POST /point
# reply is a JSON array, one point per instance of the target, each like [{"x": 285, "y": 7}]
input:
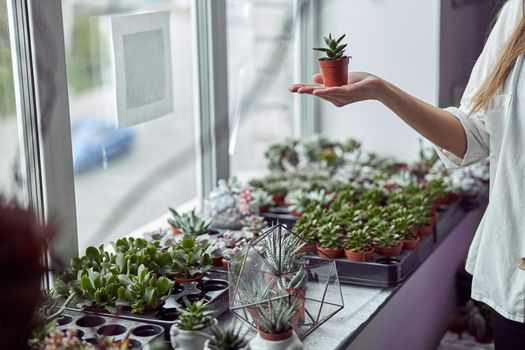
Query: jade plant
[
  {"x": 275, "y": 318},
  {"x": 226, "y": 339},
  {"x": 194, "y": 316},
  {"x": 99, "y": 289},
  {"x": 386, "y": 239},
  {"x": 308, "y": 224},
  {"x": 189, "y": 258},
  {"x": 334, "y": 50},
  {"x": 142, "y": 291},
  {"x": 189, "y": 223}
]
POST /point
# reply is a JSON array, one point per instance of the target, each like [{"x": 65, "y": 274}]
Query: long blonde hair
[{"x": 514, "y": 47}]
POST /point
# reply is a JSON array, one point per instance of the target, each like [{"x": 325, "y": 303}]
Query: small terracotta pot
[
  {"x": 175, "y": 230},
  {"x": 296, "y": 214},
  {"x": 278, "y": 199},
  {"x": 389, "y": 252},
  {"x": 443, "y": 200},
  {"x": 300, "y": 294},
  {"x": 254, "y": 313},
  {"x": 411, "y": 243},
  {"x": 264, "y": 209},
  {"x": 307, "y": 249},
  {"x": 398, "y": 166},
  {"x": 187, "y": 280},
  {"x": 424, "y": 230},
  {"x": 276, "y": 337},
  {"x": 335, "y": 72},
  {"x": 225, "y": 264},
  {"x": 331, "y": 253},
  {"x": 359, "y": 256},
  {"x": 217, "y": 262}
]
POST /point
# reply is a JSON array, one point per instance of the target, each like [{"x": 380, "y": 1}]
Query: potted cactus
[
  {"x": 193, "y": 327},
  {"x": 358, "y": 245},
  {"x": 275, "y": 330},
  {"x": 334, "y": 66},
  {"x": 226, "y": 339},
  {"x": 331, "y": 243}
]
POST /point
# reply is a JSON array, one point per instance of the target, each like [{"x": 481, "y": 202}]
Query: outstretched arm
[{"x": 437, "y": 125}]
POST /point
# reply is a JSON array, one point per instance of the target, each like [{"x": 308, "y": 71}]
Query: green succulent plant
[
  {"x": 331, "y": 236},
  {"x": 194, "y": 316},
  {"x": 226, "y": 339},
  {"x": 386, "y": 239},
  {"x": 307, "y": 226},
  {"x": 99, "y": 289},
  {"x": 262, "y": 198},
  {"x": 334, "y": 50},
  {"x": 275, "y": 317},
  {"x": 358, "y": 240},
  {"x": 189, "y": 258},
  {"x": 298, "y": 280},
  {"x": 190, "y": 223},
  {"x": 142, "y": 291},
  {"x": 280, "y": 252}
]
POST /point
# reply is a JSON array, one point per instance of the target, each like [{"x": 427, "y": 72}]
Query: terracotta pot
[
  {"x": 398, "y": 166},
  {"x": 296, "y": 214},
  {"x": 217, "y": 262},
  {"x": 443, "y": 200},
  {"x": 225, "y": 264},
  {"x": 424, "y": 230},
  {"x": 181, "y": 280},
  {"x": 411, "y": 243},
  {"x": 307, "y": 249},
  {"x": 278, "y": 199},
  {"x": 276, "y": 337},
  {"x": 335, "y": 72},
  {"x": 485, "y": 340},
  {"x": 254, "y": 313},
  {"x": 359, "y": 256},
  {"x": 331, "y": 253},
  {"x": 264, "y": 209},
  {"x": 300, "y": 294},
  {"x": 389, "y": 252},
  {"x": 175, "y": 230}
]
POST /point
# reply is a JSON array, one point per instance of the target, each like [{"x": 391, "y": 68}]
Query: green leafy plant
[
  {"x": 334, "y": 50},
  {"x": 280, "y": 253},
  {"x": 262, "y": 198},
  {"x": 359, "y": 240},
  {"x": 331, "y": 235},
  {"x": 189, "y": 258},
  {"x": 194, "y": 316},
  {"x": 281, "y": 156},
  {"x": 142, "y": 291},
  {"x": 226, "y": 339},
  {"x": 189, "y": 223},
  {"x": 308, "y": 224},
  {"x": 99, "y": 289},
  {"x": 275, "y": 318},
  {"x": 386, "y": 239},
  {"x": 298, "y": 201}
]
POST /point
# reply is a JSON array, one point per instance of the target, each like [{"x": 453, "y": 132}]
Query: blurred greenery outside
[{"x": 84, "y": 64}]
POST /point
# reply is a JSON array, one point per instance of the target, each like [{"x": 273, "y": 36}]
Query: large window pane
[
  {"x": 128, "y": 176},
  {"x": 9, "y": 163},
  {"x": 260, "y": 59}
]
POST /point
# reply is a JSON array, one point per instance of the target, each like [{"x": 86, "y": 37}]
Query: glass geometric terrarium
[{"x": 273, "y": 267}]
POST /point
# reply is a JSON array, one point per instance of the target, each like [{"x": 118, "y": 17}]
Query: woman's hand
[{"x": 361, "y": 86}]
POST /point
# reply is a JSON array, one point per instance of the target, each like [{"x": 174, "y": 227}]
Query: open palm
[{"x": 361, "y": 86}]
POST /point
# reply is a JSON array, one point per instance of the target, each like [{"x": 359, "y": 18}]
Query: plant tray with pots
[
  {"x": 90, "y": 326},
  {"x": 213, "y": 288},
  {"x": 381, "y": 272},
  {"x": 280, "y": 215}
]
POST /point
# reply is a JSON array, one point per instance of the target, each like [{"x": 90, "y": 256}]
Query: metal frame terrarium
[{"x": 271, "y": 268}]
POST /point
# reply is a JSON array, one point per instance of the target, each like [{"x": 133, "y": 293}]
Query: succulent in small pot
[
  {"x": 189, "y": 260},
  {"x": 275, "y": 330},
  {"x": 262, "y": 199},
  {"x": 277, "y": 190},
  {"x": 255, "y": 224},
  {"x": 308, "y": 225},
  {"x": 387, "y": 243},
  {"x": 296, "y": 287},
  {"x": 189, "y": 223},
  {"x": 226, "y": 339},
  {"x": 228, "y": 255},
  {"x": 334, "y": 66},
  {"x": 331, "y": 243},
  {"x": 215, "y": 250},
  {"x": 193, "y": 327},
  {"x": 359, "y": 245}
]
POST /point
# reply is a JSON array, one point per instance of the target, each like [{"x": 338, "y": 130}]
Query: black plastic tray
[
  {"x": 381, "y": 272},
  {"x": 167, "y": 315}
]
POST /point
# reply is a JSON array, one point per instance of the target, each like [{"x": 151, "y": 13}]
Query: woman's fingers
[{"x": 318, "y": 78}]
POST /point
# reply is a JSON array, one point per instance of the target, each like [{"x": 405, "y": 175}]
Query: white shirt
[{"x": 498, "y": 132}]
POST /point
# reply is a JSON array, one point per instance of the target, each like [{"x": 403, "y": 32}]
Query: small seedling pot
[
  {"x": 306, "y": 249},
  {"x": 331, "y": 253},
  {"x": 389, "y": 252},
  {"x": 411, "y": 243},
  {"x": 264, "y": 209},
  {"x": 359, "y": 256},
  {"x": 217, "y": 262},
  {"x": 278, "y": 199},
  {"x": 424, "y": 230},
  {"x": 335, "y": 72}
]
